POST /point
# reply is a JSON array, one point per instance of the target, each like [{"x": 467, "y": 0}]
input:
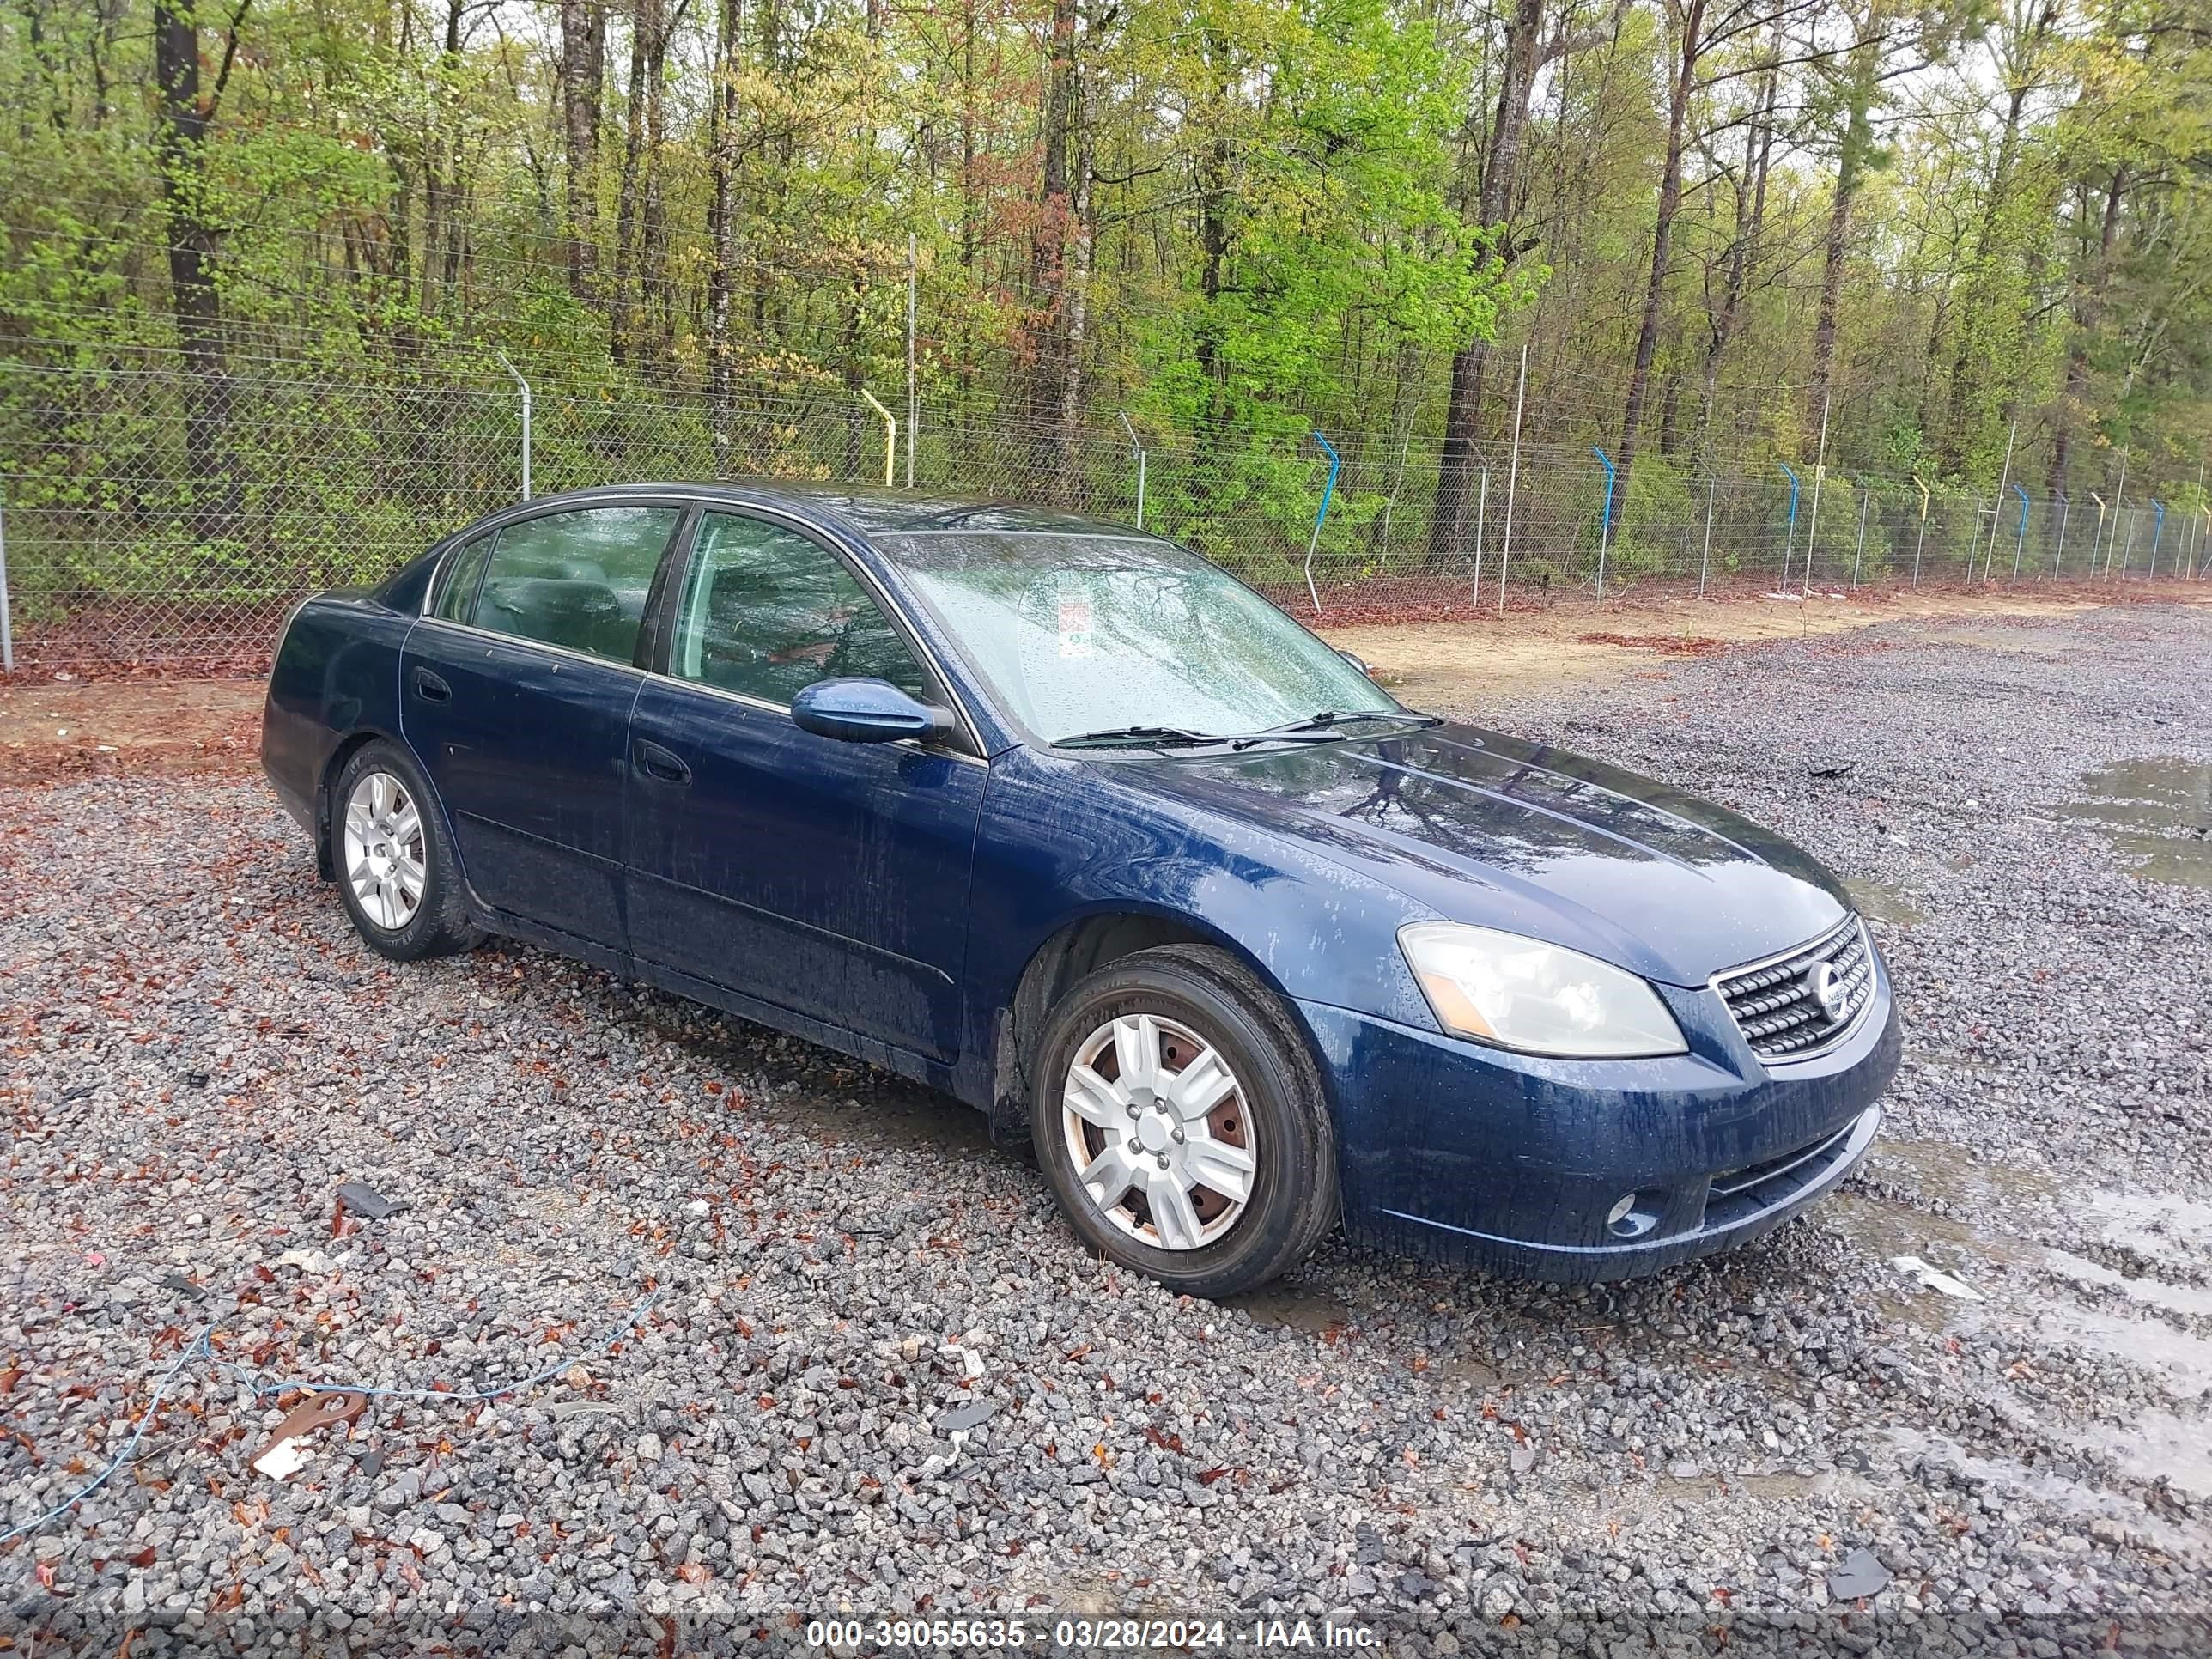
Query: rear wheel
[
  {"x": 1179, "y": 1119},
  {"x": 397, "y": 874}
]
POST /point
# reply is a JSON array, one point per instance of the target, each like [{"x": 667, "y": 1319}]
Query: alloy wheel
[{"x": 385, "y": 858}]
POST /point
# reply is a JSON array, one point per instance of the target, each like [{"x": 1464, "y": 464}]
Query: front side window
[
  {"x": 767, "y": 612},
  {"x": 576, "y": 579},
  {"x": 1083, "y": 633}
]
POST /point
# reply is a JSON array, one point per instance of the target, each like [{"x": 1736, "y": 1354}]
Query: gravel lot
[{"x": 841, "y": 1270}]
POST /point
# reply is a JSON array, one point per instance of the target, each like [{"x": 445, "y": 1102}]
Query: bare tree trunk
[
  {"x": 1692, "y": 21},
  {"x": 1850, "y": 168},
  {"x": 180, "y": 145},
  {"x": 658, "y": 289},
  {"x": 1047, "y": 330},
  {"x": 2089, "y": 307},
  {"x": 1743, "y": 251},
  {"x": 2018, "y": 55},
  {"x": 583, "y": 61},
  {"x": 970, "y": 216},
  {"x": 441, "y": 153},
  {"x": 1076, "y": 309},
  {"x": 627, "y": 204},
  {"x": 1501, "y": 167},
  {"x": 722, "y": 227}
]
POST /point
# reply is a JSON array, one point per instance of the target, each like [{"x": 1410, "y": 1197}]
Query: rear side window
[
  {"x": 577, "y": 579},
  {"x": 463, "y": 571},
  {"x": 767, "y": 613}
]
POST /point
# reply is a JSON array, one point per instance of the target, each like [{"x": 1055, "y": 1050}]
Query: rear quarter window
[{"x": 457, "y": 591}]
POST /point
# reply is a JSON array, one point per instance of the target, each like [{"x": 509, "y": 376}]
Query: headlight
[{"x": 1540, "y": 998}]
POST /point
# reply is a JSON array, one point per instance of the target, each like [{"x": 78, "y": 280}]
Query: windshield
[{"x": 1083, "y": 634}]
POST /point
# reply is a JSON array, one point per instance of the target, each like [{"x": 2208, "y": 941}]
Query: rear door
[
  {"x": 828, "y": 878},
  {"x": 516, "y": 690}
]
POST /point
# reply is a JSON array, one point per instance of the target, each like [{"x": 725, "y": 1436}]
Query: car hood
[{"x": 1488, "y": 829}]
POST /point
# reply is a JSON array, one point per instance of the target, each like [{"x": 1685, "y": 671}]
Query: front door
[
  {"x": 515, "y": 691},
  {"x": 828, "y": 878}
]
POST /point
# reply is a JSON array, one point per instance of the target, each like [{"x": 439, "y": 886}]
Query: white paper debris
[
  {"x": 1936, "y": 1279},
  {"x": 282, "y": 1461}
]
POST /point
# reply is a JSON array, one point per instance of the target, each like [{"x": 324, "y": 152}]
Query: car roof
[{"x": 870, "y": 512}]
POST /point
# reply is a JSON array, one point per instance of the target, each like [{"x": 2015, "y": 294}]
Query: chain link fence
[{"x": 159, "y": 511}]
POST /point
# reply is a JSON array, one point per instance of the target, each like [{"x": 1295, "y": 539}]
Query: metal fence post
[
  {"x": 1997, "y": 501},
  {"x": 1790, "y": 529},
  {"x": 7, "y": 621},
  {"x": 525, "y": 385},
  {"x": 912, "y": 387},
  {"x": 1512, "y": 477},
  {"x": 1812, "y": 524},
  {"x": 1605, "y": 524},
  {"x": 1139, "y": 450},
  {"x": 1858, "y": 553},
  {"x": 2119, "y": 506},
  {"x": 2019, "y": 542},
  {"x": 1329, "y": 489},
  {"x": 1705, "y": 558},
  {"x": 890, "y": 433},
  {"x": 1920, "y": 546},
  {"x": 1481, "y": 508},
  {"x": 2157, "y": 531}
]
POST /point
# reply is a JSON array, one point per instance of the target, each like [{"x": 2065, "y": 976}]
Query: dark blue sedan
[{"x": 1059, "y": 817}]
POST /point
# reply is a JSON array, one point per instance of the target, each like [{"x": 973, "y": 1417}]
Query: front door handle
[
  {"x": 662, "y": 764},
  {"x": 430, "y": 688}
]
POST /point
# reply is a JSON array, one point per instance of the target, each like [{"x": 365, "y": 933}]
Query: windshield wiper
[
  {"x": 1321, "y": 727},
  {"x": 1136, "y": 736}
]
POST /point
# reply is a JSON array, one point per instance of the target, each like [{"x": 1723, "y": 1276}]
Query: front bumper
[{"x": 1453, "y": 1152}]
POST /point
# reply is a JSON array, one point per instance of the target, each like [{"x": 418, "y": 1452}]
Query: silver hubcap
[
  {"x": 1154, "y": 1124},
  {"x": 384, "y": 860}
]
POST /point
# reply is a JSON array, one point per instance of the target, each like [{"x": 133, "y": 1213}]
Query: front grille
[{"x": 1774, "y": 1004}]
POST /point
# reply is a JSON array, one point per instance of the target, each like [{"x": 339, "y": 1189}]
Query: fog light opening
[{"x": 1627, "y": 1220}]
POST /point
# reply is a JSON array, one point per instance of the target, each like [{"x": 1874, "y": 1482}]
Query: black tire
[
  {"x": 440, "y": 924},
  {"x": 1292, "y": 1197}
]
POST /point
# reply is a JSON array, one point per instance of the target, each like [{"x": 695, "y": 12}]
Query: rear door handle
[
  {"x": 430, "y": 688},
  {"x": 662, "y": 764}
]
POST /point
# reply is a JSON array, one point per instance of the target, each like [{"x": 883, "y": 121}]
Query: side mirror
[
  {"x": 865, "y": 711},
  {"x": 1356, "y": 662}
]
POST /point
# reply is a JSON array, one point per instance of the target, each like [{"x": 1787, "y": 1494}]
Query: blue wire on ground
[{"x": 199, "y": 1348}]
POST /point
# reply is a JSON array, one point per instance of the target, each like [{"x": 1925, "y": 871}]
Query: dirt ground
[
  {"x": 1455, "y": 664},
  {"x": 50, "y": 724}
]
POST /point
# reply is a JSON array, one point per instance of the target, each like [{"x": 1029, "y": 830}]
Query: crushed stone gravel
[{"x": 877, "y": 1374}]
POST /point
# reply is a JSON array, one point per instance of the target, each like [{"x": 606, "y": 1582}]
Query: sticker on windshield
[{"x": 1075, "y": 628}]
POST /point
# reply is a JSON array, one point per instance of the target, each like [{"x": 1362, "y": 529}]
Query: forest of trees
[{"x": 1232, "y": 220}]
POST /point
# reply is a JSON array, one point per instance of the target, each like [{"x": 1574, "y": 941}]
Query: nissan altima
[{"x": 1055, "y": 816}]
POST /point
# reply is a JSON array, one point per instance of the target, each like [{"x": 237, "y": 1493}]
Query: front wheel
[
  {"x": 1179, "y": 1118},
  {"x": 396, "y": 872}
]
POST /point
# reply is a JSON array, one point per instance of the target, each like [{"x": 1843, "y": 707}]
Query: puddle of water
[
  {"x": 2184, "y": 1299},
  {"x": 2158, "y": 1226},
  {"x": 2182, "y": 1363},
  {"x": 2158, "y": 809},
  {"x": 1885, "y": 1228},
  {"x": 1305, "y": 1308},
  {"x": 2155, "y": 1443},
  {"x": 1885, "y": 902},
  {"x": 1471, "y": 1372},
  {"x": 1911, "y": 1445},
  {"x": 1954, "y": 1172}
]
